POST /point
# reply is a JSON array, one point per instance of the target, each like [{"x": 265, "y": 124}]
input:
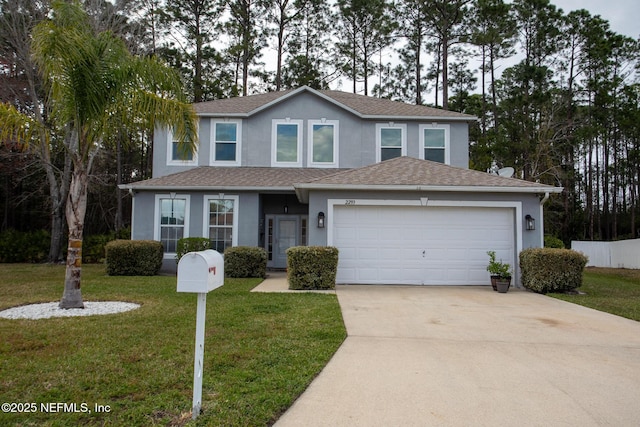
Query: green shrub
[
  {"x": 191, "y": 244},
  {"x": 312, "y": 267},
  {"x": 498, "y": 268},
  {"x": 551, "y": 270},
  {"x": 553, "y": 242},
  {"x": 133, "y": 257},
  {"x": 93, "y": 247},
  {"x": 24, "y": 246},
  {"x": 245, "y": 261}
]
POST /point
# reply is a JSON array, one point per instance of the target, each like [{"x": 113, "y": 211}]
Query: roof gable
[{"x": 359, "y": 105}]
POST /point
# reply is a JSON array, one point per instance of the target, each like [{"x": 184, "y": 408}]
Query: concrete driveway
[{"x": 468, "y": 356}]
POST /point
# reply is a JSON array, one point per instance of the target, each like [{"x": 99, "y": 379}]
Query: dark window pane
[
  {"x": 226, "y": 151},
  {"x": 390, "y": 153},
  {"x": 434, "y": 154}
]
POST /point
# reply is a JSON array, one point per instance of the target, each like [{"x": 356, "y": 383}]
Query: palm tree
[{"x": 95, "y": 89}]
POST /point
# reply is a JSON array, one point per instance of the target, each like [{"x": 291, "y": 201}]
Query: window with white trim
[
  {"x": 172, "y": 220},
  {"x": 286, "y": 143},
  {"x": 177, "y": 154},
  {"x": 434, "y": 143},
  {"x": 226, "y": 142},
  {"x": 391, "y": 141},
  {"x": 221, "y": 221},
  {"x": 323, "y": 143}
]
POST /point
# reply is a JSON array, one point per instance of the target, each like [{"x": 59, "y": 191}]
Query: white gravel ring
[{"x": 50, "y": 309}]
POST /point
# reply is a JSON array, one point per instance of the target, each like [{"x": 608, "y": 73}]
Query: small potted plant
[{"x": 500, "y": 273}]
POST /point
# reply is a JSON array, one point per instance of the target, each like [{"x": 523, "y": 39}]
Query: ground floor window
[
  {"x": 172, "y": 219},
  {"x": 221, "y": 219}
]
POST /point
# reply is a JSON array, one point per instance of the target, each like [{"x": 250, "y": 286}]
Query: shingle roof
[
  {"x": 239, "y": 104},
  {"x": 399, "y": 174},
  {"x": 412, "y": 171},
  {"x": 363, "y": 106},
  {"x": 208, "y": 177}
]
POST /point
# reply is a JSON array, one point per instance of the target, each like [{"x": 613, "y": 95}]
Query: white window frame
[
  {"x": 205, "y": 214},
  {"x": 447, "y": 140},
  {"x": 379, "y": 147},
  {"x": 274, "y": 142},
  {"x": 336, "y": 144},
  {"x": 158, "y": 214},
  {"x": 177, "y": 162},
  {"x": 212, "y": 156}
]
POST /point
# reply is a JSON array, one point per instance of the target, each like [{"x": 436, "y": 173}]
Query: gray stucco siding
[
  {"x": 356, "y": 136},
  {"x": 161, "y": 161},
  {"x": 248, "y": 211},
  {"x": 257, "y": 128}
]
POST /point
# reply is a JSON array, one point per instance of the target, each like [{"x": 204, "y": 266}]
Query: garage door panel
[{"x": 420, "y": 245}]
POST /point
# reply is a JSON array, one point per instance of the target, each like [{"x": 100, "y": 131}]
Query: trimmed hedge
[
  {"x": 312, "y": 267},
  {"x": 245, "y": 261},
  {"x": 551, "y": 270},
  {"x": 133, "y": 257},
  {"x": 191, "y": 244}
]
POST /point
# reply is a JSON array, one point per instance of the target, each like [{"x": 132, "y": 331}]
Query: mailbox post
[{"x": 200, "y": 272}]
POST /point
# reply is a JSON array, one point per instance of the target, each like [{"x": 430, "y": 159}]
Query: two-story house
[{"x": 385, "y": 182}]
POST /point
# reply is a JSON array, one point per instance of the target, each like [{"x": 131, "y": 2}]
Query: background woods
[{"x": 556, "y": 92}]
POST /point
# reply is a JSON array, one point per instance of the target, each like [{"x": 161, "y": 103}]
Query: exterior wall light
[
  {"x": 320, "y": 219},
  {"x": 530, "y": 222}
]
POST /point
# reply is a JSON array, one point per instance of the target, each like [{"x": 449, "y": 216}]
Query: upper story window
[
  {"x": 434, "y": 143},
  {"x": 391, "y": 141},
  {"x": 177, "y": 155},
  {"x": 171, "y": 222},
  {"x": 323, "y": 143},
  {"x": 226, "y": 141},
  {"x": 286, "y": 143}
]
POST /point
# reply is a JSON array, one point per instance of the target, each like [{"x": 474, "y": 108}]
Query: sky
[{"x": 623, "y": 15}]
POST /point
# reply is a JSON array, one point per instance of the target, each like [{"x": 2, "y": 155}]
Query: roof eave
[
  {"x": 429, "y": 118},
  {"x": 183, "y": 188},
  {"x": 362, "y": 116}
]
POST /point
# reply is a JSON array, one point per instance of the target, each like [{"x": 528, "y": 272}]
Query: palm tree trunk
[{"x": 76, "y": 209}]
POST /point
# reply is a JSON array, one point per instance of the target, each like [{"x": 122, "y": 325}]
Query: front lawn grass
[
  {"x": 612, "y": 290},
  {"x": 261, "y": 352}
]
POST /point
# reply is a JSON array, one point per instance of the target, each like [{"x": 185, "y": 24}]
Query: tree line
[{"x": 556, "y": 93}]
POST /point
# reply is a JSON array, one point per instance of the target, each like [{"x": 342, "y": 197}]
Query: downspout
[
  {"x": 542, "y": 202},
  {"x": 545, "y": 198}
]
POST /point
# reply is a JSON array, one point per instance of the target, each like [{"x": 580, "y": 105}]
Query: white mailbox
[{"x": 200, "y": 272}]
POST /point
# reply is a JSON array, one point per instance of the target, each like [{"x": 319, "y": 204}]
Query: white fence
[{"x": 620, "y": 254}]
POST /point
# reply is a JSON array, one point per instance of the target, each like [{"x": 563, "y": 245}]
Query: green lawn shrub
[
  {"x": 553, "y": 242},
  {"x": 312, "y": 267},
  {"x": 245, "y": 261},
  {"x": 191, "y": 244},
  {"x": 24, "y": 246},
  {"x": 133, "y": 257},
  {"x": 93, "y": 247},
  {"x": 551, "y": 270}
]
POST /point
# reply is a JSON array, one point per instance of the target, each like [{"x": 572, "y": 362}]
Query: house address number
[{"x": 349, "y": 202}]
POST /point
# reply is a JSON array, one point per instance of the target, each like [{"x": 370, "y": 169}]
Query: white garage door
[{"x": 420, "y": 245}]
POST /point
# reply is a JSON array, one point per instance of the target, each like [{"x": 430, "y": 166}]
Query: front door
[{"x": 283, "y": 234}]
